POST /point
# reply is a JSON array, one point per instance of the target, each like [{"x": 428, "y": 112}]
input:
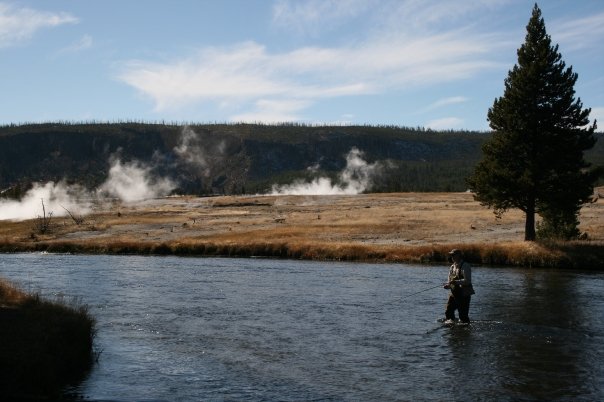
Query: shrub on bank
[{"x": 44, "y": 346}]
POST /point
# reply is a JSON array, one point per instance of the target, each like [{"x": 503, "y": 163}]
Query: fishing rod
[
  {"x": 421, "y": 291},
  {"x": 413, "y": 294}
]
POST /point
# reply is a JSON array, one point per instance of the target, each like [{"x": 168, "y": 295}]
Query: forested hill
[{"x": 242, "y": 158}]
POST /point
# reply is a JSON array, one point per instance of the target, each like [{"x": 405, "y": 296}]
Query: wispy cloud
[
  {"x": 85, "y": 42},
  {"x": 431, "y": 15},
  {"x": 597, "y": 113},
  {"x": 279, "y": 85},
  {"x": 446, "y": 123},
  {"x": 273, "y": 111},
  {"x": 314, "y": 16},
  {"x": 20, "y": 24},
  {"x": 582, "y": 33},
  {"x": 248, "y": 72},
  {"x": 453, "y": 100}
]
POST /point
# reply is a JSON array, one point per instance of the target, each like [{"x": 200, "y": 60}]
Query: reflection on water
[
  {"x": 191, "y": 329},
  {"x": 552, "y": 336}
]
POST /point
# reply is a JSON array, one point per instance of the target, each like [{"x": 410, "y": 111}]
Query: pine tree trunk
[{"x": 529, "y": 226}]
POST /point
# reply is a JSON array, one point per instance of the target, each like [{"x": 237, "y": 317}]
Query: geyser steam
[
  {"x": 57, "y": 197},
  {"x": 129, "y": 182},
  {"x": 354, "y": 179},
  {"x": 198, "y": 150},
  {"x": 134, "y": 182}
]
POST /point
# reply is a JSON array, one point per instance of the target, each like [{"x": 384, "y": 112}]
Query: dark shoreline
[{"x": 45, "y": 346}]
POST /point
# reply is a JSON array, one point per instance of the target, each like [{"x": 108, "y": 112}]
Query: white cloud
[
  {"x": 597, "y": 113},
  {"x": 218, "y": 74},
  {"x": 242, "y": 72},
  {"x": 579, "y": 33},
  {"x": 446, "y": 101},
  {"x": 430, "y": 15},
  {"x": 314, "y": 16},
  {"x": 273, "y": 111},
  {"x": 393, "y": 55},
  {"x": 447, "y": 123},
  {"x": 248, "y": 72},
  {"x": 85, "y": 42},
  {"x": 20, "y": 24}
]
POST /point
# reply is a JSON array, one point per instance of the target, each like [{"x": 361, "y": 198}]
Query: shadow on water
[
  {"x": 548, "y": 355},
  {"x": 538, "y": 346}
]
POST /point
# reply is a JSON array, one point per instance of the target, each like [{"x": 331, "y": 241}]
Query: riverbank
[
  {"x": 44, "y": 346},
  {"x": 400, "y": 227}
]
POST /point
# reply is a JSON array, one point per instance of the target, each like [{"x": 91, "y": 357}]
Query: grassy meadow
[{"x": 390, "y": 227}]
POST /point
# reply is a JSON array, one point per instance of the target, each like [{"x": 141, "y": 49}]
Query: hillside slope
[{"x": 242, "y": 158}]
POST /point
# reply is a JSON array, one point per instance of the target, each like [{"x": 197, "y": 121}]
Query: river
[{"x": 197, "y": 329}]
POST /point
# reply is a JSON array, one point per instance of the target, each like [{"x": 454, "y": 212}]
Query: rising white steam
[
  {"x": 134, "y": 182},
  {"x": 189, "y": 148},
  {"x": 57, "y": 198},
  {"x": 129, "y": 182},
  {"x": 354, "y": 179},
  {"x": 192, "y": 150}
]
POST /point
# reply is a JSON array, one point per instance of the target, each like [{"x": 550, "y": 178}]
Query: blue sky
[{"x": 436, "y": 64}]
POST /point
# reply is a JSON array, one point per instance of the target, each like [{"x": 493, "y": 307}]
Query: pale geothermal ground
[{"x": 369, "y": 219}]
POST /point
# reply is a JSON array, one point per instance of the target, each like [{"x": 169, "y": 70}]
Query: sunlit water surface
[{"x": 192, "y": 329}]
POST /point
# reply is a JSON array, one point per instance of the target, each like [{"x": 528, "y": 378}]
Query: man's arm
[{"x": 466, "y": 270}]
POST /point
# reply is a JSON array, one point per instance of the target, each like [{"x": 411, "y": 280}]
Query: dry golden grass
[
  {"x": 10, "y": 296},
  {"x": 370, "y": 227}
]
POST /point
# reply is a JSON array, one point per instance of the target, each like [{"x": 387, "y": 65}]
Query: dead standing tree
[
  {"x": 42, "y": 224},
  {"x": 77, "y": 219}
]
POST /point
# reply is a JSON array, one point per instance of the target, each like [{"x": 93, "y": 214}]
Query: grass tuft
[{"x": 44, "y": 346}]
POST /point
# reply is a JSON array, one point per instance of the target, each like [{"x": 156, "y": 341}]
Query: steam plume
[
  {"x": 192, "y": 150},
  {"x": 57, "y": 197},
  {"x": 127, "y": 181},
  {"x": 134, "y": 182},
  {"x": 189, "y": 148},
  {"x": 354, "y": 179}
]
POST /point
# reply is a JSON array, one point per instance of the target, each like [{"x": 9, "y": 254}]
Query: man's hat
[{"x": 455, "y": 251}]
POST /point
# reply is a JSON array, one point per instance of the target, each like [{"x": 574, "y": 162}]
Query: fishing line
[
  {"x": 412, "y": 294},
  {"x": 421, "y": 291}
]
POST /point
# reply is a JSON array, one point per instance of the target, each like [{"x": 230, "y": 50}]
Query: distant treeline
[{"x": 242, "y": 158}]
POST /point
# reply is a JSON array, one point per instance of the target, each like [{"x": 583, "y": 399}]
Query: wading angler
[{"x": 460, "y": 284}]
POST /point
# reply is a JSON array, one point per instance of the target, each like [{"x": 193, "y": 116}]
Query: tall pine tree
[{"x": 534, "y": 159}]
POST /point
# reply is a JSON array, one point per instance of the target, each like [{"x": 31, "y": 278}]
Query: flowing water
[{"x": 193, "y": 329}]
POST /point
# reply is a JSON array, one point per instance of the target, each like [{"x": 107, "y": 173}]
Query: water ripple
[{"x": 187, "y": 329}]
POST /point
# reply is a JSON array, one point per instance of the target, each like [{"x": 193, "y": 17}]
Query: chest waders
[{"x": 459, "y": 299}]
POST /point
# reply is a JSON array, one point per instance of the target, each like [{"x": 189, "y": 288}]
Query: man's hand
[{"x": 447, "y": 285}]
